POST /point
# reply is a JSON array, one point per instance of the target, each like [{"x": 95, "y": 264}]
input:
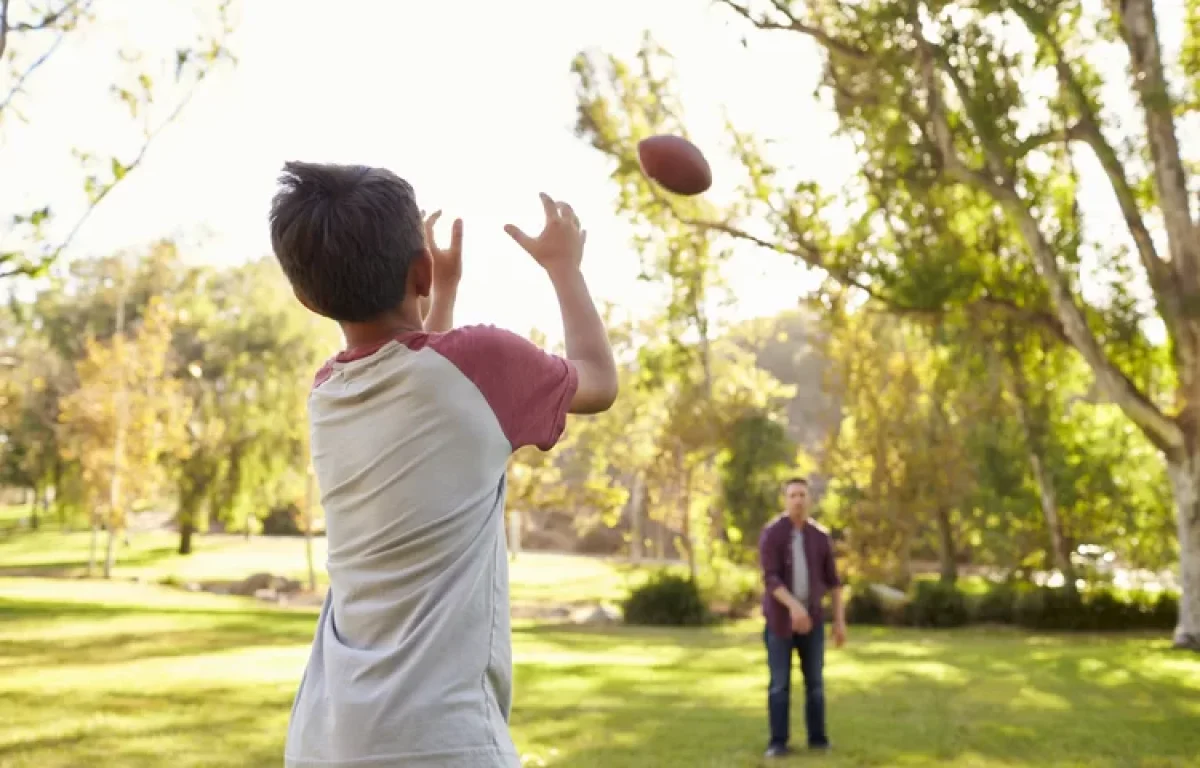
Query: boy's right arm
[
  {"x": 559, "y": 250},
  {"x": 587, "y": 344}
]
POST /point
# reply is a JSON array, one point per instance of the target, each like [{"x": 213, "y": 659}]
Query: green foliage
[
  {"x": 666, "y": 599},
  {"x": 756, "y": 458},
  {"x": 997, "y": 605},
  {"x": 865, "y": 608},
  {"x": 1100, "y": 610},
  {"x": 937, "y": 605}
]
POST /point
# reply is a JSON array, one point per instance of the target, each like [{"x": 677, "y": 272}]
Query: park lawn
[
  {"x": 134, "y": 675},
  {"x": 536, "y": 577}
]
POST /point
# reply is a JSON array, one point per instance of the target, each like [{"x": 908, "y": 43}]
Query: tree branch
[
  {"x": 1072, "y": 133},
  {"x": 50, "y": 19},
  {"x": 49, "y": 258},
  {"x": 1159, "y": 428},
  {"x": 3, "y": 27},
  {"x": 37, "y": 63},
  {"x": 1088, "y": 130},
  {"x": 1140, "y": 30},
  {"x": 831, "y": 44}
]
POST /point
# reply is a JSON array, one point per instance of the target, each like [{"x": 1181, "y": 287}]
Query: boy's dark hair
[
  {"x": 794, "y": 481},
  {"x": 345, "y": 236}
]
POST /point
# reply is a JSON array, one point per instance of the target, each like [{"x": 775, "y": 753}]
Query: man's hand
[
  {"x": 839, "y": 633},
  {"x": 801, "y": 621},
  {"x": 559, "y": 246}
]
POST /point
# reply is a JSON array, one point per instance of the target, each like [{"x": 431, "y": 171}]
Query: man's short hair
[
  {"x": 345, "y": 236},
  {"x": 794, "y": 481}
]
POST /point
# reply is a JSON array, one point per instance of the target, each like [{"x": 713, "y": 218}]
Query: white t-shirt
[{"x": 411, "y": 664}]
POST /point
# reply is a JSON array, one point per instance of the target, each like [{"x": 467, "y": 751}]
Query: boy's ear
[{"x": 420, "y": 274}]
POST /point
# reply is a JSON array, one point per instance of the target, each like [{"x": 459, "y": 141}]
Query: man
[{"x": 799, "y": 569}]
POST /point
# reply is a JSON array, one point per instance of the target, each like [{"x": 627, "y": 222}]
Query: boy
[{"x": 412, "y": 428}]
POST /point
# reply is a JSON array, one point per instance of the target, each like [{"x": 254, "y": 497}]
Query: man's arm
[
  {"x": 835, "y": 586},
  {"x": 586, "y": 341}
]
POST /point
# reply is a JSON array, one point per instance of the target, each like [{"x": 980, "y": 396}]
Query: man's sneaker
[
  {"x": 776, "y": 750},
  {"x": 820, "y": 747}
]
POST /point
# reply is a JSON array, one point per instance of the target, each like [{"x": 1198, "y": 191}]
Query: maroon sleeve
[
  {"x": 528, "y": 389},
  {"x": 769, "y": 558}
]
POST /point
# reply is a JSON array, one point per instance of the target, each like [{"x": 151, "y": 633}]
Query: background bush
[{"x": 666, "y": 600}]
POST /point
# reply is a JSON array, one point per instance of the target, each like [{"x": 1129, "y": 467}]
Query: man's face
[{"x": 796, "y": 495}]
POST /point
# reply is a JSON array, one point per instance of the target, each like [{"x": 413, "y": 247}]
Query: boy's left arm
[
  {"x": 440, "y": 317},
  {"x": 438, "y": 314}
]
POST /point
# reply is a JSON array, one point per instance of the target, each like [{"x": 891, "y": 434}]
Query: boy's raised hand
[
  {"x": 560, "y": 243},
  {"x": 447, "y": 262}
]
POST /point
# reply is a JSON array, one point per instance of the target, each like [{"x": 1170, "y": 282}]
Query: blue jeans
[{"x": 811, "y": 650}]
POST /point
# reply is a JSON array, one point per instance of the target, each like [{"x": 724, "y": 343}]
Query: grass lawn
[
  {"x": 152, "y": 557},
  {"x": 131, "y": 675}
]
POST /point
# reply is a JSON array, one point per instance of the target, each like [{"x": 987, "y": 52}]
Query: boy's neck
[{"x": 389, "y": 325}]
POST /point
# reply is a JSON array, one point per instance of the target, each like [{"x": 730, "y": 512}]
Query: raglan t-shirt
[{"x": 411, "y": 663}]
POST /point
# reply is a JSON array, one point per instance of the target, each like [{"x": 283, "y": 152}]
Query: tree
[
  {"x": 709, "y": 384},
  {"x": 124, "y": 420},
  {"x": 153, "y": 86},
  {"x": 246, "y": 353},
  {"x": 941, "y": 96},
  {"x": 943, "y": 104}
]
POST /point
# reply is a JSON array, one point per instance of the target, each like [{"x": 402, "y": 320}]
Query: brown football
[{"x": 675, "y": 163}]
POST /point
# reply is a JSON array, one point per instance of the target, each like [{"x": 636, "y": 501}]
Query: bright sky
[{"x": 470, "y": 100}]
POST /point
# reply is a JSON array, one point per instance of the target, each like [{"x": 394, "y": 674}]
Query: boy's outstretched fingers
[
  {"x": 550, "y": 205},
  {"x": 523, "y": 240}
]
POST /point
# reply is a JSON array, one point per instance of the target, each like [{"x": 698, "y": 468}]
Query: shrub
[
  {"x": 936, "y": 604},
  {"x": 1050, "y": 608},
  {"x": 1105, "y": 610},
  {"x": 865, "y": 607},
  {"x": 666, "y": 600},
  {"x": 995, "y": 606},
  {"x": 1163, "y": 613}
]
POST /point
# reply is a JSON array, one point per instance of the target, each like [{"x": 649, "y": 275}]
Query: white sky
[{"x": 471, "y": 100}]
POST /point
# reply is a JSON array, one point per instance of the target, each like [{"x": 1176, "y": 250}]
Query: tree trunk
[
  {"x": 1049, "y": 501},
  {"x": 946, "y": 549},
  {"x": 187, "y": 528},
  {"x": 94, "y": 545},
  {"x": 34, "y": 521},
  {"x": 110, "y": 552},
  {"x": 308, "y": 526},
  {"x": 1034, "y": 424},
  {"x": 685, "y": 509},
  {"x": 515, "y": 524},
  {"x": 636, "y": 511},
  {"x": 1185, "y": 483}
]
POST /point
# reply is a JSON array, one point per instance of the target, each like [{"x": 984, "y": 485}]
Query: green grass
[
  {"x": 133, "y": 676},
  {"x": 536, "y": 577}
]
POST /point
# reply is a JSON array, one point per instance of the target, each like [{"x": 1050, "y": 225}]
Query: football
[{"x": 675, "y": 163}]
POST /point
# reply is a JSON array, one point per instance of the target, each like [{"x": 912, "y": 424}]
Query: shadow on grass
[
  {"x": 893, "y": 699},
  {"x": 217, "y": 726},
  {"x": 126, "y": 558},
  {"x": 614, "y": 697}
]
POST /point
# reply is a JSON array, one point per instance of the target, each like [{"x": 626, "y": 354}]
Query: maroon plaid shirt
[{"x": 775, "y": 556}]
